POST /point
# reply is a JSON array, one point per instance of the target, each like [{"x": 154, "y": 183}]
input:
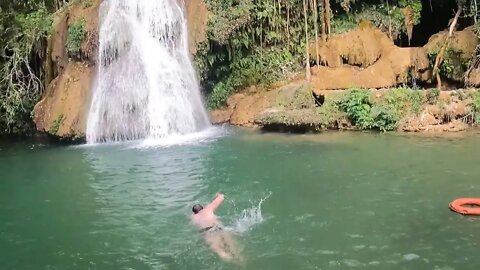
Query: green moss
[
  {"x": 56, "y": 124},
  {"x": 76, "y": 35}
]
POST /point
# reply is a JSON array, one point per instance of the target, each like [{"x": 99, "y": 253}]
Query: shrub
[
  {"x": 357, "y": 105},
  {"x": 76, "y": 34},
  {"x": 432, "y": 96},
  {"x": 329, "y": 113},
  {"x": 260, "y": 69},
  {"x": 417, "y": 98},
  {"x": 475, "y": 105},
  {"x": 23, "y": 34},
  {"x": 219, "y": 95},
  {"x": 405, "y": 100},
  {"x": 385, "y": 117},
  {"x": 364, "y": 114}
]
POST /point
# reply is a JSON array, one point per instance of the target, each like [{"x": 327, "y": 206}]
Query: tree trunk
[
  {"x": 288, "y": 22},
  {"x": 439, "y": 58},
  {"x": 315, "y": 10},
  {"x": 327, "y": 17},
  {"x": 308, "y": 73},
  {"x": 324, "y": 31}
]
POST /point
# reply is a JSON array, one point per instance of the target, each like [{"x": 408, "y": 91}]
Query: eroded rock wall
[
  {"x": 365, "y": 57},
  {"x": 63, "y": 109}
]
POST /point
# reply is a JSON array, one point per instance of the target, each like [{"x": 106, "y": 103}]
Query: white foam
[
  {"x": 411, "y": 257},
  {"x": 249, "y": 217},
  {"x": 205, "y": 136},
  {"x": 209, "y": 134},
  {"x": 146, "y": 86}
]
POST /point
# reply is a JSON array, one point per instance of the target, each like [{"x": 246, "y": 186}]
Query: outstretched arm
[{"x": 216, "y": 203}]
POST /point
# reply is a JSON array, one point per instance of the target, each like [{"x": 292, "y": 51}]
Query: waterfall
[{"x": 146, "y": 85}]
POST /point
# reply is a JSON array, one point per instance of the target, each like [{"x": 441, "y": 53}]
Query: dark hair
[{"x": 197, "y": 208}]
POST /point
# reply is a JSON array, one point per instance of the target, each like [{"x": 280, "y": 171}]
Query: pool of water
[{"x": 330, "y": 201}]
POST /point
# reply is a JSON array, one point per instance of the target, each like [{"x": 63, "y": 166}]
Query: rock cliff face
[
  {"x": 362, "y": 58},
  {"x": 367, "y": 58},
  {"x": 64, "y": 106}
]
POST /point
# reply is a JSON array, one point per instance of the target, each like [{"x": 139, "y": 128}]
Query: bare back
[
  {"x": 206, "y": 217},
  {"x": 219, "y": 240}
]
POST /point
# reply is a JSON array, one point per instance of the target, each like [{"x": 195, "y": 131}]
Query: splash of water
[
  {"x": 249, "y": 217},
  {"x": 146, "y": 85}
]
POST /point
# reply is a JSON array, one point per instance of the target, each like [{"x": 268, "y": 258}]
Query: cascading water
[{"x": 146, "y": 85}]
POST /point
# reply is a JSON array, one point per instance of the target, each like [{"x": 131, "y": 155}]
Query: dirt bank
[
  {"x": 365, "y": 57},
  {"x": 292, "y": 108},
  {"x": 362, "y": 58}
]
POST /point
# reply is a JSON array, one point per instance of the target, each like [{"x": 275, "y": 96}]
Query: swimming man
[{"x": 219, "y": 240}]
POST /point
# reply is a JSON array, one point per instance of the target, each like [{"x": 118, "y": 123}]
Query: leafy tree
[{"x": 24, "y": 27}]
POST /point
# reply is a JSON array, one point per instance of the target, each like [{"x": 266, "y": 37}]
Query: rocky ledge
[{"x": 294, "y": 107}]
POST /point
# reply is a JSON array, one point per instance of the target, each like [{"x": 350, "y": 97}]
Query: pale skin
[{"x": 219, "y": 241}]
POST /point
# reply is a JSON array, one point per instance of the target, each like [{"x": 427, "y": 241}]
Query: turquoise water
[{"x": 331, "y": 201}]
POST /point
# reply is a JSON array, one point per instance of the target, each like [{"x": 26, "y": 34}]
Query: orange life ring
[{"x": 461, "y": 206}]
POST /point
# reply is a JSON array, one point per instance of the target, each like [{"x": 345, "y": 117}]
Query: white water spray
[
  {"x": 146, "y": 84},
  {"x": 249, "y": 217}
]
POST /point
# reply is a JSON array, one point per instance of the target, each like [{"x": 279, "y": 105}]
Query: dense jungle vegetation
[
  {"x": 256, "y": 42},
  {"x": 24, "y": 27},
  {"x": 250, "y": 42}
]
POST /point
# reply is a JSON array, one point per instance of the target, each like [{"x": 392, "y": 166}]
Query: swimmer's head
[{"x": 197, "y": 208}]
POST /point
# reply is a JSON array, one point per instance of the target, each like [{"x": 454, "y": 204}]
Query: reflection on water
[{"x": 332, "y": 201}]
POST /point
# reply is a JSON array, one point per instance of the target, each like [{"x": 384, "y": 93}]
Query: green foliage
[
  {"x": 454, "y": 64},
  {"x": 385, "y": 117},
  {"x": 219, "y": 95},
  {"x": 344, "y": 22},
  {"x": 330, "y": 112},
  {"x": 252, "y": 42},
  {"x": 415, "y": 5},
  {"x": 418, "y": 99},
  {"x": 227, "y": 18},
  {"x": 357, "y": 105},
  {"x": 23, "y": 38},
  {"x": 76, "y": 35},
  {"x": 261, "y": 69},
  {"x": 388, "y": 17},
  {"x": 56, "y": 124},
  {"x": 432, "y": 96},
  {"x": 475, "y": 105},
  {"x": 383, "y": 114},
  {"x": 404, "y": 101}
]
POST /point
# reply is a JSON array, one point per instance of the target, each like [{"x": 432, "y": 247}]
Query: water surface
[{"x": 337, "y": 201}]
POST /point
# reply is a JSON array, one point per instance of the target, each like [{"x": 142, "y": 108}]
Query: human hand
[{"x": 219, "y": 195}]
